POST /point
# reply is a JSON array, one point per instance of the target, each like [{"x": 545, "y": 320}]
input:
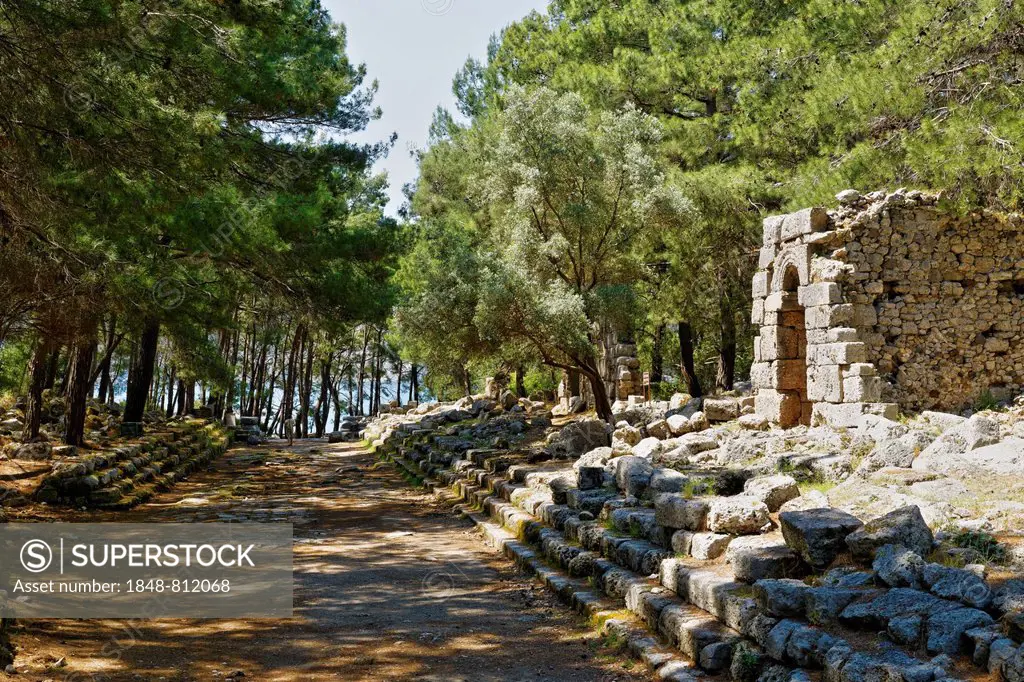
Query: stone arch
[{"x": 795, "y": 258}]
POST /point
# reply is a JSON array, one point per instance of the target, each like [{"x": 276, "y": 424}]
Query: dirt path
[{"x": 387, "y": 587}]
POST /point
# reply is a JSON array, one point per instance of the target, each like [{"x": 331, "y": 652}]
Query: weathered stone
[
  {"x": 659, "y": 429},
  {"x": 812, "y": 499},
  {"x": 679, "y": 424},
  {"x": 716, "y": 656},
  {"x": 774, "y": 491},
  {"x": 708, "y": 546},
  {"x": 951, "y": 451},
  {"x": 824, "y": 604},
  {"x": 737, "y": 515},
  {"x": 633, "y": 474},
  {"x": 899, "y": 601},
  {"x": 818, "y": 535},
  {"x": 959, "y": 584},
  {"x": 897, "y": 566},
  {"x": 721, "y": 409},
  {"x": 677, "y": 511},
  {"x": 946, "y": 631},
  {"x": 626, "y": 436},
  {"x": 1000, "y": 651},
  {"x": 648, "y": 448},
  {"x": 588, "y": 477},
  {"x": 782, "y": 598},
  {"x": 752, "y": 565},
  {"x": 904, "y": 526},
  {"x": 906, "y": 629}
]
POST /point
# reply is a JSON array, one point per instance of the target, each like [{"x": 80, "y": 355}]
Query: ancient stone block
[
  {"x": 778, "y": 407},
  {"x": 822, "y": 293},
  {"x": 862, "y": 389},
  {"x": 825, "y": 383},
  {"x": 803, "y": 222}
]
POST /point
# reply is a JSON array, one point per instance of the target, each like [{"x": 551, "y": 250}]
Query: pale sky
[{"x": 413, "y": 48}]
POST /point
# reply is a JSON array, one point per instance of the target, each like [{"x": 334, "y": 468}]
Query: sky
[{"x": 413, "y": 48}]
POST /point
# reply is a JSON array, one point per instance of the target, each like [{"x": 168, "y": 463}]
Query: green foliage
[{"x": 987, "y": 546}]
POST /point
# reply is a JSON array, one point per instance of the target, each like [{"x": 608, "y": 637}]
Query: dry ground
[{"x": 388, "y": 586}]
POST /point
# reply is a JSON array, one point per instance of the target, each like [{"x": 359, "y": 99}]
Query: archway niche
[{"x": 792, "y": 350}]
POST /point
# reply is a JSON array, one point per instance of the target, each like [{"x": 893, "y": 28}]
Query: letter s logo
[{"x": 36, "y": 556}]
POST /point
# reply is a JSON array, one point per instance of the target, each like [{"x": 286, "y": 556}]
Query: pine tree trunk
[
  {"x": 140, "y": 373},
  {"x": 398, "y": 378},
  {"x": 79, "y": 383},
  {"x": 362, "y": 371},
  {"x": 520, "y": 381},
  {"x": 657, "y": 356},
  {"x": 727, "y": 348},
  {"x": 601, "y": 403},
  {"x": 686, "y": 362},
  {"x": 34, "y": 406},
  {"x": 414, "y": 383}
]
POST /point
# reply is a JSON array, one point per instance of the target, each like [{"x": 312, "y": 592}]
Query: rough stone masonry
[{"x": 888, "y": 301}]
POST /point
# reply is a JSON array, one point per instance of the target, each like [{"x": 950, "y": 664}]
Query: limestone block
[
  {"x": 772, "y": 230},
  {"x": 764, "y": 375},
  {"x": 780, "y": 342},
  {"x": 860, "y": 369},
  {"x": 837, "y": 353},
  {"x": 780, "y": 408},
  {"x": 828, "y": 270},
  {"x": 825, "y": 382},
  {"x": 842, "y": 334},
  {"x": 821, "y": 317},
  {"x": 757, "y": 349},
  {"x": 864, "y": 316},
  {"x": 862, "y": 389},
  {"x": 803, "y": 222},
  {"x": 822, "y": 293},
  {"x": 757, "y": 312},
  {"x": 790, "y": 374},
  {"x": 847, "y": 415},
  {"x": 760, "y": 284},
  {"x": 766, "y": 257}
]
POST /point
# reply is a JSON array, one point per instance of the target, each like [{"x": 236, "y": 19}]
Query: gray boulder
[
  {"x": 880, "y": 429},
  {"x": 950, "y": 451},
  {"x": 659, "y": 429},
  {"x": 648, "y": 448},
  {"x": 782, "y": 598},
  {"x": 957, "y": 583},
  {"x": 667, "y": 481},
  {"x": 594, "y": 458},
  {"x": 812, "y": 499},
  {"x": 762, "y": 563},
  {"x": 897, "y": 566},
  {"x": 774, "y": 491},
  {"x": 946, "y": 630},
  {"x": 737, "y": 515},
  {"x": 708, "y": 546},
  {"x": 904, "y": 526},
  {"x": 721, "y": 409},
  {"x": 633, "y": 475},
  {"x": 824, "y": 604},
  {"x": 582, "y": 436},
  {"x": 673, "y": 510},
  {"x": 818, "y": 535}
]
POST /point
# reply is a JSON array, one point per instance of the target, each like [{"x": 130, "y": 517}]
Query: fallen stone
[
  {"x": 679, "y": 424},
  {"x": 753, "y": 422},
  {"x": 594, "y": 458},
  {"x": 721, "y": 409},
  {"x": 880, "y": 429},
  {"x": 708, "y": 546},
  {"x": 716, "y": 656},
  {"x": 959, "y": 584},
  {"x": 906, "y": 629},
  {"x": 946, "y": 630},
  {"x": 737, "y": 515},
  {"x": 659, "y": 429},
  {"x": 774, "y": 491},
  {"x": 626, "y": 436},
  {"x": 589, "y": 477},
  {"x": 1000, "y": 651},
  {"x": 633, "y": 474},
  {"x": 782, "y": 598},
  {"x": 950, "y": 451},
  {"x": 818, "y": 535},
  {"x": 812, "y": 499},
  {"x": 673, "y": 510},
  {"x": 897, "y": 566},
  {"x": 899, "y": 601},
  {"x": 767, "y": 562},
  {"x": 648, "y": 448},
  {"x": 824, "y": 604},
  {"x": 667, "y": 481},
  {"x": 904, "y": 526}
]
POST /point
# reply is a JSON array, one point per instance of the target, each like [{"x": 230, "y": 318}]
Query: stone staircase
[
  {"x": 729, "y": 604},
  {"x": 130, "y": 474}
]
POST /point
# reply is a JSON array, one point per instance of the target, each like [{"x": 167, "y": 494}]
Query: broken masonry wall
[{"x": 887, "y": 301}]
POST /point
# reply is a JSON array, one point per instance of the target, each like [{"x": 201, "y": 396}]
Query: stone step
[{"x": 719, "y": 598}]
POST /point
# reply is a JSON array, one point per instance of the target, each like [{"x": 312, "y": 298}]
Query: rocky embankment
[{"x": 741, "y": 550}]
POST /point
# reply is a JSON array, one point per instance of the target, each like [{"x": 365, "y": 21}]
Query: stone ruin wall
[{"x": 888, "y": 301}]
